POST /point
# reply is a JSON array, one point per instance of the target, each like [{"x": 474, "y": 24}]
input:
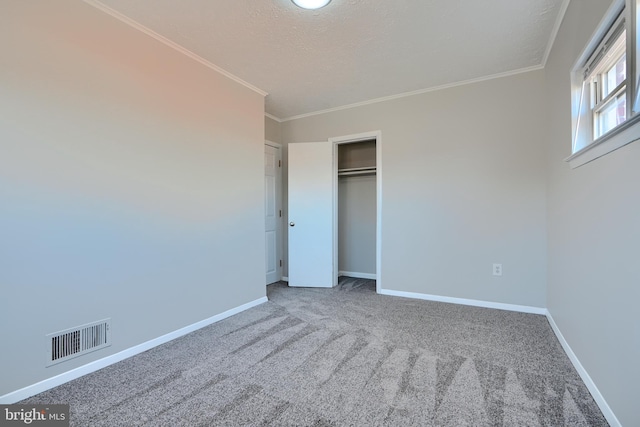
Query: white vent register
[{"x": 70, "y": 343}]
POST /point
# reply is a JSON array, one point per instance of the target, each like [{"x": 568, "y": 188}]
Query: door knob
[{"x": 292, "y": 224}]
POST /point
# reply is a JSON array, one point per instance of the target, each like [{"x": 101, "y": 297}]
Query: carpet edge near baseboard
[
  {"x": 464, "y": 301},
  {"x": 49, "y": 383},
  {"x": 584, "y": 375}
]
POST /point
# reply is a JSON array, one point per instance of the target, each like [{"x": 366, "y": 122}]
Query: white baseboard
[
  {"x": 357, "y": 275},
  {"x": 285, "y": 279},
  {"x": 463, "y": 301},
  {"x": 65, "y": 377},
  {"x": 597, "y": 396}
]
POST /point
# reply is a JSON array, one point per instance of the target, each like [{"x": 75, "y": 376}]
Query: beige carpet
[{"x": 343, "y": 357}]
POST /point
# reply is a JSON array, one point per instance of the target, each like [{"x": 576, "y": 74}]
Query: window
[{"x": 606, "y": 80}]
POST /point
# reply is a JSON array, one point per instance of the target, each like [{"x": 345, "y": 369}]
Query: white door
[
  {"x": 310, "y": 223},
  {"x": 273, "y": 213}
]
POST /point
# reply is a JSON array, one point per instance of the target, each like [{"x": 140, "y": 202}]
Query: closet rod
[{"x": 361, "y": 172}]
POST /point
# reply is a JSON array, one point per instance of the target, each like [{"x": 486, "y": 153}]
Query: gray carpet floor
[{"x": 343, "y": 357}]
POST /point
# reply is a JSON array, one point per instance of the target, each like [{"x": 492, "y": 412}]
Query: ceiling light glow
[{"x": 311, "y": 4}]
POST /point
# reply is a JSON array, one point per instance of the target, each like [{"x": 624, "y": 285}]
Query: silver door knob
[{"x": 292, "y": 224}]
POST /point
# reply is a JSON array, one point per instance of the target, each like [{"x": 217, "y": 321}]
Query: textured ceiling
[{"x": 353, "y": 50}]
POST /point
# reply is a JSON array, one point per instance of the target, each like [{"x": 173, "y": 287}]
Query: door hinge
[
  {"x": 279, "y": 163},
  {"x": 280, "y": 213},
  {"x": 280, "y": 263}
]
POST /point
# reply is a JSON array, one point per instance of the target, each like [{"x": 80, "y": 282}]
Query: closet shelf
[{"x": 357, "y": 171}]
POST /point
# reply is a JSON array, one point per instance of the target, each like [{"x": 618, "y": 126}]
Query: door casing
[
  {"x": 347, "y": 139},
  {"x": 335, "y": 141},
  {"x": 277, "y": 219}
]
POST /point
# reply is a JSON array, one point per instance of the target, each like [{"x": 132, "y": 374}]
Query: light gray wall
[
  {"x": 131, "y": 185},
  {"x": 593, "y": 235},
  {"x": 357, "y": 224},
  {"x": 357, "y": 209},
  {"x": 463, "y": 187},
  {"x": 272, "y": 130}
]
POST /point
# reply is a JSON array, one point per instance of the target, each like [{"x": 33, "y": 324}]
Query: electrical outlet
[{"x": 497, "y": 269}]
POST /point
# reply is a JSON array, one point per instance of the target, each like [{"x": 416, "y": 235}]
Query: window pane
[
  {"x": 612, "y": 114},
  {"x": 584, "y": 126},
  {"x": 615, "y": 75}
]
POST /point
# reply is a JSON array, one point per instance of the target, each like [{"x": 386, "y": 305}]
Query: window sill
[{"x": 626, "y": 133}]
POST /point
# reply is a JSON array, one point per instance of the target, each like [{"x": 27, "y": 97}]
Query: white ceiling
[{"x": 353, "y": 51}]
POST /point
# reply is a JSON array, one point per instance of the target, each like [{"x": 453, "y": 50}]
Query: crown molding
[
  {"x": 132, "y": 23},
  {"x": 125, "y": 19},
  {"x": 272, "y": 117},
  {"x": 554, "y": 32},
  {"x": 417, "y": 92}
]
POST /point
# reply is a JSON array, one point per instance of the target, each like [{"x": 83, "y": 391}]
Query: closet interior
[{"x": 357, "y": 209}]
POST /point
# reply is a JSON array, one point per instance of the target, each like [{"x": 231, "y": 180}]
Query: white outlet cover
[{"x": 497, "y": 269}]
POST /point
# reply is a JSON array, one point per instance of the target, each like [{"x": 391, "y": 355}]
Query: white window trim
[
  {"x": 624, "y": 134},
  {"x": 627, "y": 132}
]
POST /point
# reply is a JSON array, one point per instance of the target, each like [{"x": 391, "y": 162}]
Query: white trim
[
  {"x": 65, "y": 377},
  {"x": 593, "y": 389},
  {"x": 463, "y": 301},
  {"x": 626, "y": 133},
  {"x": 554, "y": 32},
  {"x": 272, "y": 117},
  {"x": 272, "y": 144},
  {"x": 377, "y": 135},
  {"x": 601, "y": 29},
  {"x": 379, "y": 211},
  {"x": 364, "y": 136},
  {"x": 597, "y": 396},
  {"x": 280, "y": 222},
  {"x": 618, "y": 137},
  {"x": 119, "y": 16},
  {"x": 417, "y": 92},
  {"x": 357, "y": 275},
  {"x": 285, "y": 279}
]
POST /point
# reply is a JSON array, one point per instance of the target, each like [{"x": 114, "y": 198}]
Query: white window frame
[
  {"x": 607, "y": 55},
  {"x": 584, "y": 147}
]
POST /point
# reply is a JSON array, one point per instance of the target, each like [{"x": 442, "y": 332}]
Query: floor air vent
[{"x": 74, "y": 342}]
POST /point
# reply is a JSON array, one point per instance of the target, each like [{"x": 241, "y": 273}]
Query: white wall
[
  {"x": 463, "y": 187},
  {"x": 131, "y": 185},
  {"x": 593, "y": 235}
]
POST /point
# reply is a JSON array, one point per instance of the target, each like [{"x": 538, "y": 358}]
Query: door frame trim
[
  {"x": 279, "y": 199},
  {"x": 272, "y": 144},
  {"x": 346, "y": 139}
]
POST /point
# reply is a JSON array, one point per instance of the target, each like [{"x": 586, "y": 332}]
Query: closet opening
[{"x": 356, "y": 208}]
